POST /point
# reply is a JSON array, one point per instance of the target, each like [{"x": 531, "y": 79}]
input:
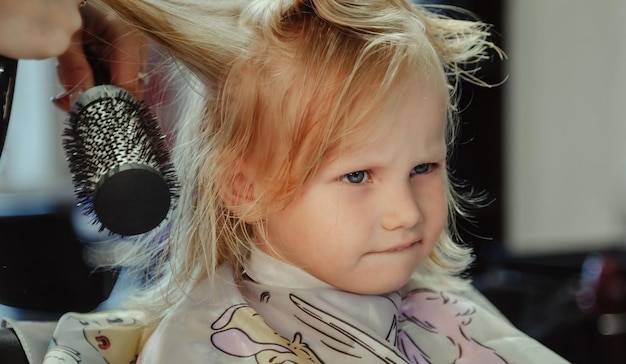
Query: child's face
[{"x": 369, "y": 217}]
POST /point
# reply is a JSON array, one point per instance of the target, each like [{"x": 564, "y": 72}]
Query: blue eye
[
  {"x": 422, "y": 168},
  {"x": 356, "y": 177}
]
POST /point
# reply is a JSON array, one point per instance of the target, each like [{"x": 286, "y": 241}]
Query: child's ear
[{"x": 241, "y": 197}]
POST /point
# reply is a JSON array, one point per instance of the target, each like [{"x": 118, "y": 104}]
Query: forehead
[
  {"x": 416, "y": 100},
  {"x": 410, "y": 97}
]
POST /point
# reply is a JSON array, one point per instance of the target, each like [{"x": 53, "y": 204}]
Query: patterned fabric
[
  {"x": 94, "y": 338},
  {"x": 283, "y": 315},
  {"x": 280, "y": 314}
]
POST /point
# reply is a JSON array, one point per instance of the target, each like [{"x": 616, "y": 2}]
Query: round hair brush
[{"x": 122, "y": 173}]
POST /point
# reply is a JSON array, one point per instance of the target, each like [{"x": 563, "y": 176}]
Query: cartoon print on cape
[
  {"x": 89, "y": 339},
  {"x": 353, "y": 341},
  {"x": 432, "y": 311},
  {"x": 242, "y": 332}
]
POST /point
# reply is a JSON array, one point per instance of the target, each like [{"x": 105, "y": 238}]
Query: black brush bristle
[{"x": 121, "y": 167}]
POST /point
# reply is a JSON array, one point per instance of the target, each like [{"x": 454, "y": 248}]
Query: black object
[
  {"x": 539, "y": 295},
  {"x": 11, "y": 350},
  {"x": 41, "y": 261},
  {"x": 120, "y": 163},
  {"x": 8, "y": 70}
]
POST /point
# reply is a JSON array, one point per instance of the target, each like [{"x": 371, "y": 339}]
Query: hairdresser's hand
[
  {"x": 119, "y": 55},
  {"x": 37, "y": 28}
]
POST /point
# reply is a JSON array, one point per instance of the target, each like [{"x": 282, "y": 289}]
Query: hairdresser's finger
[
  {"x": 74, "y": 72},
  {"x": 127, "y": 63},
  {"x": 118, "y": 50}
]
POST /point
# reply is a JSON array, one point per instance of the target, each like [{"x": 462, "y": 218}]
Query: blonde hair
[{"x": 298, "y": 74}]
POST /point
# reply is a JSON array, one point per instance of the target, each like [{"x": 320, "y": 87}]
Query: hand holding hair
[{"x": 106, "y": 51}]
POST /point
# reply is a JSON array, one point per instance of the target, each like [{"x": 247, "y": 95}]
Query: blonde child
[{"x": 316, "y": 216}]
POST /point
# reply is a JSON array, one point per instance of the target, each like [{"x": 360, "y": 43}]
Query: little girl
[{"x": 316, "y": 213}]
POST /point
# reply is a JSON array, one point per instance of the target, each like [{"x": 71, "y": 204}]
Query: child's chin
[{"x": 379, "y": 288}]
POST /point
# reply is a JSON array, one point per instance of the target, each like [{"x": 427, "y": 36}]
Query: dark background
[{"x": 541, "y": 295}]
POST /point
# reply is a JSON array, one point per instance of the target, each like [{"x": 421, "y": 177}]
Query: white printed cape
[
  {"x": 283, "y": 315},
  {"x": 280, "y": 314}
]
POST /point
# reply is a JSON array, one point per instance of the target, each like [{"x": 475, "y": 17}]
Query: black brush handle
[{"x": 8, "y": 71}]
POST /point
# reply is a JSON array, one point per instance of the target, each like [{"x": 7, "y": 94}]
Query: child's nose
[{"x": 401, "y": 209}]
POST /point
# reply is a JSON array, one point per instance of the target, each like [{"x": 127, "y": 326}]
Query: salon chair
[{"x": 42, "y": 271}]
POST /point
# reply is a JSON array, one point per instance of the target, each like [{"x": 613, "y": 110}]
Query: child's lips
[{"x": 400, "y": 247}]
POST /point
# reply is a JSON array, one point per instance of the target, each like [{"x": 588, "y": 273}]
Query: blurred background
[{"x": 545, "y": 147}]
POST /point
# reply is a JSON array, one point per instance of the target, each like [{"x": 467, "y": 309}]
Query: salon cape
[{"x": 281, "y": 314}]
